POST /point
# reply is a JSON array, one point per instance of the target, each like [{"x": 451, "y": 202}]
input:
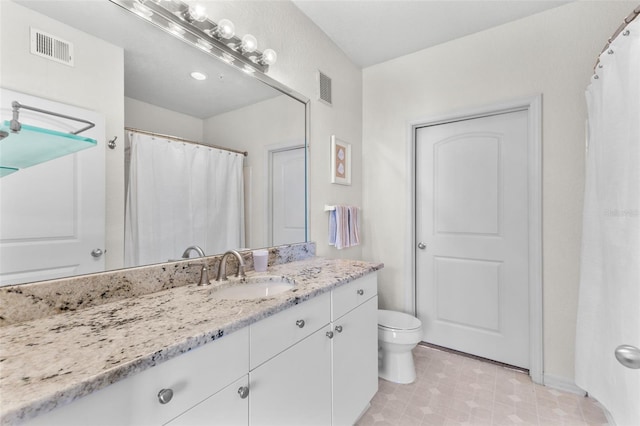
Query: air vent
[
  {"x": 51, "y": 47},
  {"x": 325, "y": 87}
]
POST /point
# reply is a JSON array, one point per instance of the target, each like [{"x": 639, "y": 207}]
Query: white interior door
[
  {"x": 52, "y": 214},
  {"x": 288, "y": 183},
  {"x": 472, "y": 235}
]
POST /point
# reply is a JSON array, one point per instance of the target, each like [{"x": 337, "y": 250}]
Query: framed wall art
[{"x": 340, "y": 161}]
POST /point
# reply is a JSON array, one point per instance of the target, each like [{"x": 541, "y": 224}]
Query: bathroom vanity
[{"x": 184, "y": 356}]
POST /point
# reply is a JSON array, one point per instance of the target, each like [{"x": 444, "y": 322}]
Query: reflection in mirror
[{"x": 128, "y": 73}]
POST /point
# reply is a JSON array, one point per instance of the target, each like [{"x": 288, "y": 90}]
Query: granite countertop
[{"x": 52, "y": 361}]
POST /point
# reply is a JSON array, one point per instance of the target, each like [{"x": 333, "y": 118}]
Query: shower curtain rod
[
  {"x": 633, "y": 15},
  {"x": 176, "y": 138}
]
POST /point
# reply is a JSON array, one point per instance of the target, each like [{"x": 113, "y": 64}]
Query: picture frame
[{"x": 340, "y": 161}]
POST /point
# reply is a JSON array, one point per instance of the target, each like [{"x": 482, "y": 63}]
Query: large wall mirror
[{"x": 137, "y": 77}]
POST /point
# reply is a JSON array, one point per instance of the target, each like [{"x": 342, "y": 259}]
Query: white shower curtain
[
  {"x": 609, "y": 301},
  {"x": 179, "y": 195}
]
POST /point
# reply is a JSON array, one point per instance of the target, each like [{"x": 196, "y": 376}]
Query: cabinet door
[
  {"x": 192, "y": 377},
  {"x": 294, "y": 388},
  {"x": 355, "y": 362},
  {"x": 226, "y": 407}
]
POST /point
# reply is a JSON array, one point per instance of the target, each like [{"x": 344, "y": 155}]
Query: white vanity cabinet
[
  {"x": 324, "y": 375},
  {"x": 354, "y": 349},
  {"x": 189, "y": 379},
  {"x": 311, "y": 364},
  {"x": 294, "y": 388},
  {"x": 290, "y": 377}
]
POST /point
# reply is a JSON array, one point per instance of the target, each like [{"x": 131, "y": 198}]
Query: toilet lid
[{"x": 397, "y": 320}]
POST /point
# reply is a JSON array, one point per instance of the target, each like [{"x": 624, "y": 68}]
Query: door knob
[
  {"x": 629, "y": 356},
  {"x": 300, "y": 323},
  {"x": 339, "y": 328},
  {"x": 422, "y": 245},
  {"x": 330, "y": 334},
  {"x": 97, "y": 252}
]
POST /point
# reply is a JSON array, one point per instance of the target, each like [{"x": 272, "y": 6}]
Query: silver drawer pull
[
  {"x": 330, "y": 334},
  {"x": 165, "y": 395},
  {"x": 628, "y": 355},
  {"x": 300, "y": 323},
  {"x": 243, "y": 392},
  {"x": 339, "y": 328},
  {"x": 360, "y": 292}
]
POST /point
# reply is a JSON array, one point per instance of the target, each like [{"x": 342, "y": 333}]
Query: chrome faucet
[
  {"x": 197, "y": 249},
  {"x": 222, "y": 270}
]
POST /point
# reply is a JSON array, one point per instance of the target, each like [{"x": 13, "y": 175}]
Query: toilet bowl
[{"x": 398, "y": 334}]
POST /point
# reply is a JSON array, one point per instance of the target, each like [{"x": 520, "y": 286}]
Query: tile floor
[{"x": 456, "y": 390}]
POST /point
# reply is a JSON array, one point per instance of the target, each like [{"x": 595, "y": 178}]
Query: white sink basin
[{"x": 254, "y": 288}]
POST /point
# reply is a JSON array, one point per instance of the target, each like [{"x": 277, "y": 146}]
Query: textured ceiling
[
  {"x": 370, "y": 32},
  {"x": 157, "y": 66}
]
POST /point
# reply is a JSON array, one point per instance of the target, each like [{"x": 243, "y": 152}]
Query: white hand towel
[{"x": 354, "y": 226}]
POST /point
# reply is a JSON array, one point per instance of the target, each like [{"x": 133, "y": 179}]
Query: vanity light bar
[{"x": 201, "y": 33}]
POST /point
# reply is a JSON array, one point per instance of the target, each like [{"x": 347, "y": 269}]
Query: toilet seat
[{"x": 397, "y": 321}]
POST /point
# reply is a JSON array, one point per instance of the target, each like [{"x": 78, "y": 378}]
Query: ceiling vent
[
  {"x": 51, "y": 47},
  {"x": 324, "y": 82}
]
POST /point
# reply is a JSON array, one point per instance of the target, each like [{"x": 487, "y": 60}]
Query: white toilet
[{"x": 398, "y": 334}]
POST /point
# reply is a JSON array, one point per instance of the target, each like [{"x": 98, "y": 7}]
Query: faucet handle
[{"x": 204, "y": 273}]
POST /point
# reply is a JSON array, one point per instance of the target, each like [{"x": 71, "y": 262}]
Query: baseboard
[{"x": 563, "y": 384}]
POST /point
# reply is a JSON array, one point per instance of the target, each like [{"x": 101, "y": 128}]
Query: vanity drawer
[
  {"x": 273, "y": 335},
  {"x": 350, "y": 296},
  {"x": 192, "y": 377}
]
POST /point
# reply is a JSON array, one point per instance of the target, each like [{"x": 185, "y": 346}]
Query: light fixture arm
[{"x": 194, "y": 30}]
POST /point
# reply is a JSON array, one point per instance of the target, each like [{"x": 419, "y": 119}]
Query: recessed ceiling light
[{"x": 198, "y": 75}]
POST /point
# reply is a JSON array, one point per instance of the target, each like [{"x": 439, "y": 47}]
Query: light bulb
[
  {"x": 249, "y": 43},
  {"x": 142, "y": 10},
  {"x": 225, "y": 29},
  {"x": 227, "y": 58},
  {"x": 176, "y": 29},
  {"x": 198, "y": 13},
  {"x": 269, "y": 57},
  {"x": 204, "y": 45}
]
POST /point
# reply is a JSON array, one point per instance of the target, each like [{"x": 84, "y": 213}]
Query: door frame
[
  {"x": 533, "y": 106},
  {"x": 267, "y": 186}
]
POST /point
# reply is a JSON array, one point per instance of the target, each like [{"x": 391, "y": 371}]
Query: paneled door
[
  {"x": 52, "y": 215},
  {"x": 472, "y": 236},
  {"x": 288, "y": 217}
]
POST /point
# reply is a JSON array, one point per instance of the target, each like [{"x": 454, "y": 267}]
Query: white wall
[
  {"x": 303, "y": 49},
  {"x": 96, "y": 83},
  {"x": 144, "y": 116},
  {"x": 269, "y": 124},
  {"x": 550, "y": 53}
]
